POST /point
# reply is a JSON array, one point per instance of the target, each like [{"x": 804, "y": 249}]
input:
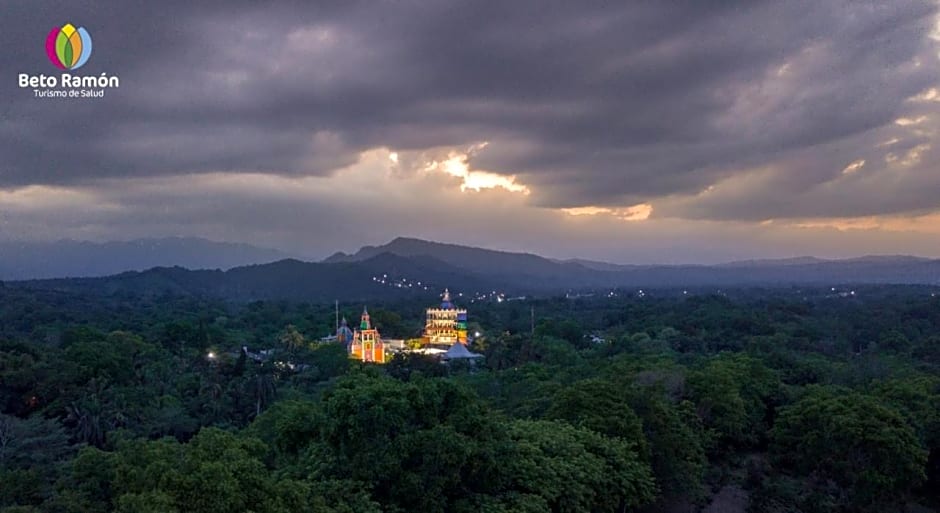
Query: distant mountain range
[
  {"x": 499, "y": 266},
  {"x": 412, "y": 267},
  {"x": 30, "y": 260}
]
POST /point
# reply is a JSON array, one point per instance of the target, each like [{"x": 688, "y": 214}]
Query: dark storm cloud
[{"x": 587, "y": 103}]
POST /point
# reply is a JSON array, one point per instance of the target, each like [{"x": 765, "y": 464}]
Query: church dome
[{"x": 344, "y": 335}]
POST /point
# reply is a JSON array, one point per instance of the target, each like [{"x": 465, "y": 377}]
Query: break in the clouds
[{"x": 633, "y": 130}]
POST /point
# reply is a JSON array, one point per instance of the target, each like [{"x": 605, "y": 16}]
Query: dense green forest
[{"x": 772, "y": 400}]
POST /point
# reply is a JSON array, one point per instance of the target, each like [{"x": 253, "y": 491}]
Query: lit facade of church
[
  {"x": 366, "y": 344},
  {"x": 446, "y": 325}
]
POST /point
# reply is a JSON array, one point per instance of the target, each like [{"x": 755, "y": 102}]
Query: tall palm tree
[
  {"x": 87, "y": 423},
  {"x": 265, "y": 389},
  {"x": 291, "y": 339},
  {"x": 211, "y": 397}
]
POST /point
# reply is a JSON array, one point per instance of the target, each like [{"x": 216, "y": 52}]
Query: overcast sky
[{"x": 630, "y": 132}]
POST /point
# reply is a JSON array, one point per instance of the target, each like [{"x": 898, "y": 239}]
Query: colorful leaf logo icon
[{"x": 68, "y": 47}]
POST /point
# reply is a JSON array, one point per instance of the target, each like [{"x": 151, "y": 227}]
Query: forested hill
[
  {"x": 286, "y": 279},
  {"x": 414, "y": 268}
]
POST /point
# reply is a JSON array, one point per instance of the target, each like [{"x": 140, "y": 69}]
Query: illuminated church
[
  {"x": 365, "y": 343},
  {"x": 446, "y": 325}
]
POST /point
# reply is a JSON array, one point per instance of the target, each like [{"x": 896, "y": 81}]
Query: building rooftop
[{"x": 459, "y": 351}]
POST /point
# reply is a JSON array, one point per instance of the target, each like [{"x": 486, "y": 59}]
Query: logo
[{"x": 67, "y": 47}]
